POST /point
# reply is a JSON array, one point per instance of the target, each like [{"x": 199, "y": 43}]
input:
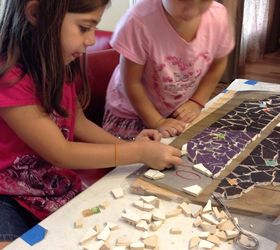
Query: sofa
[
  {"x": 102, "y": 41},
  {"x": 101, "y": 60}
]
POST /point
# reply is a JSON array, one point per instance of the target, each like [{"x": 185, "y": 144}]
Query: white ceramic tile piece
[{"x": 194, "y": 190}]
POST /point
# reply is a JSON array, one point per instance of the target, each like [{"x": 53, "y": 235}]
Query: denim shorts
[{"x": 15, "y": 220}]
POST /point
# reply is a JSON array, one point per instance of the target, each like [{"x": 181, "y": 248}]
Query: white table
[{"x": 62, "y": 235}]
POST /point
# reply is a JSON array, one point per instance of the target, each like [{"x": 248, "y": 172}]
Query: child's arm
[
  {"x": 191, "y": 109},
  {"x": 132, "y": 74},
  {"x": 39, "y": 132}
]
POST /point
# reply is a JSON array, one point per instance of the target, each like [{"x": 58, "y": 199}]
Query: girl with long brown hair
[{"x": 44, "y": 133}]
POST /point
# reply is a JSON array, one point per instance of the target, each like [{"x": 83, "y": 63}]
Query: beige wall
[{"x": 113, "y": 14}]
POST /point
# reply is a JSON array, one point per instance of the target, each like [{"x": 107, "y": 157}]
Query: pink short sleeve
[
  {"x": 16, "y": 90},
  {"x": 130, "y": 39}
]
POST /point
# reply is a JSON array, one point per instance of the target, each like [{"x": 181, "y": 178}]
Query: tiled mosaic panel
[
  {"x": 239, "y": 125},
  {"x": 214, "y": 147},
  {"x": 251, "y": 116},
  {"x": 261, "y": 167}
]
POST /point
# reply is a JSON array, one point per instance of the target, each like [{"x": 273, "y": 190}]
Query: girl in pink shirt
[
  {"x": 173, "y": 54},
  {"x": 44, "y": 133}
]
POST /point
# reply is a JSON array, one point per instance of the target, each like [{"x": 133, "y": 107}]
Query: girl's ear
[{"x": 31, "y": 11}]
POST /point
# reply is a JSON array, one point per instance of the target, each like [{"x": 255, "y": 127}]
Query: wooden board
[{"x": 260, "y": 200}]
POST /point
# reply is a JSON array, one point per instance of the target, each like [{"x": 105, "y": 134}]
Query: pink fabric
[
  {"x": 33, "y": 182},
  {"x": 173, "y": 67}
]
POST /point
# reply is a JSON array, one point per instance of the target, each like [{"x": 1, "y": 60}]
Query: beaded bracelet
[{"x": 198, "y": 103}]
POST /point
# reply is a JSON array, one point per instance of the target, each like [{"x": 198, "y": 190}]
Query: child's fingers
[
  {"x": 172, "y": 131},
  {"x": 181, "y": 114},
  {"x": 176, "y": 161},
  {"x": 189, "y": 117},
  {"x": 179, "y": 127},
  {"x": 154, "y": 135},
  {"x": 164, "y": 133},
  {"x": 149, "y": 134},
  {"x": 177, "y": 152},
  {"x": 173, "y": 128}
]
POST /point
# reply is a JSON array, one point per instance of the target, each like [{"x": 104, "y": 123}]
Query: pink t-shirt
[
  {"x": 173, "y": 67},
  {"x": 33, "y": 182}
]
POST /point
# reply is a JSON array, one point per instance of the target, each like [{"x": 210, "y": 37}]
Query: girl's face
[
  {"x": 78, "y": 32},
  {"x": 186, "y": 10}
]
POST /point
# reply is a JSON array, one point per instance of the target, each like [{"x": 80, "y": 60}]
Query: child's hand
[
  {"x": 160, "y": 156},
  {"x": 170, "y": 127},
  {"x": 148, "y": 135},
  {"x": 187, "y": 112}
]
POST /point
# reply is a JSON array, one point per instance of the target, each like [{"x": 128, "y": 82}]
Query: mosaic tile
[
  {"x": 250, "y": 116},
  {"x": 222, "y": 141},
  {"x": 214, "y": 147},
  {"x": 260, "y": 168}
]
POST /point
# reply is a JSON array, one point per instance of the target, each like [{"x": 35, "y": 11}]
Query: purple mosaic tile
[
  {"x": 250, "y": 115},
  {"x": 261, "y": 167},
  {"x": 214, "y": 147}
]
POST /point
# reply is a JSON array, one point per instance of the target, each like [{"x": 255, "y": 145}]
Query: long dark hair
[{"x": 37, "y": 49}]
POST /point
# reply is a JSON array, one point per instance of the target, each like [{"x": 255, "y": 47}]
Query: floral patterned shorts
[{"x": 124, "y": 128}]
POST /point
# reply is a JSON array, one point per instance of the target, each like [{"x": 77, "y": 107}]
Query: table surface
[{"x": 62, "y": 234}]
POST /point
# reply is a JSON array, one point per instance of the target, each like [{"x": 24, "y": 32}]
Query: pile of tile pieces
[{"x": 214, "y": 224}]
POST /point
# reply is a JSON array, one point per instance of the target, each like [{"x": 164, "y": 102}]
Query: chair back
[{"x": 101, "y": 65}]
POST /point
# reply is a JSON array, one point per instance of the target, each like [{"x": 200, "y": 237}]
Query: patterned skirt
[{"x": 124, "y": 128}]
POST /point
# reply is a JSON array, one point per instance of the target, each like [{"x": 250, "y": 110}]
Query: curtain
[
  {"x": 235, "y": 11},
  {"x": 273, "y": 38},
  {"x": 256, "y": 21},
  {"x": 132, "y": 2}
]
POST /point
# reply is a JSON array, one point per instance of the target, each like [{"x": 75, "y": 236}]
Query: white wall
[{"x": 113, "y": 13}]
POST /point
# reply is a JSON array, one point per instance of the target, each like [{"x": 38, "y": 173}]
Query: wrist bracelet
[{"x": 198, "y": 103}]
